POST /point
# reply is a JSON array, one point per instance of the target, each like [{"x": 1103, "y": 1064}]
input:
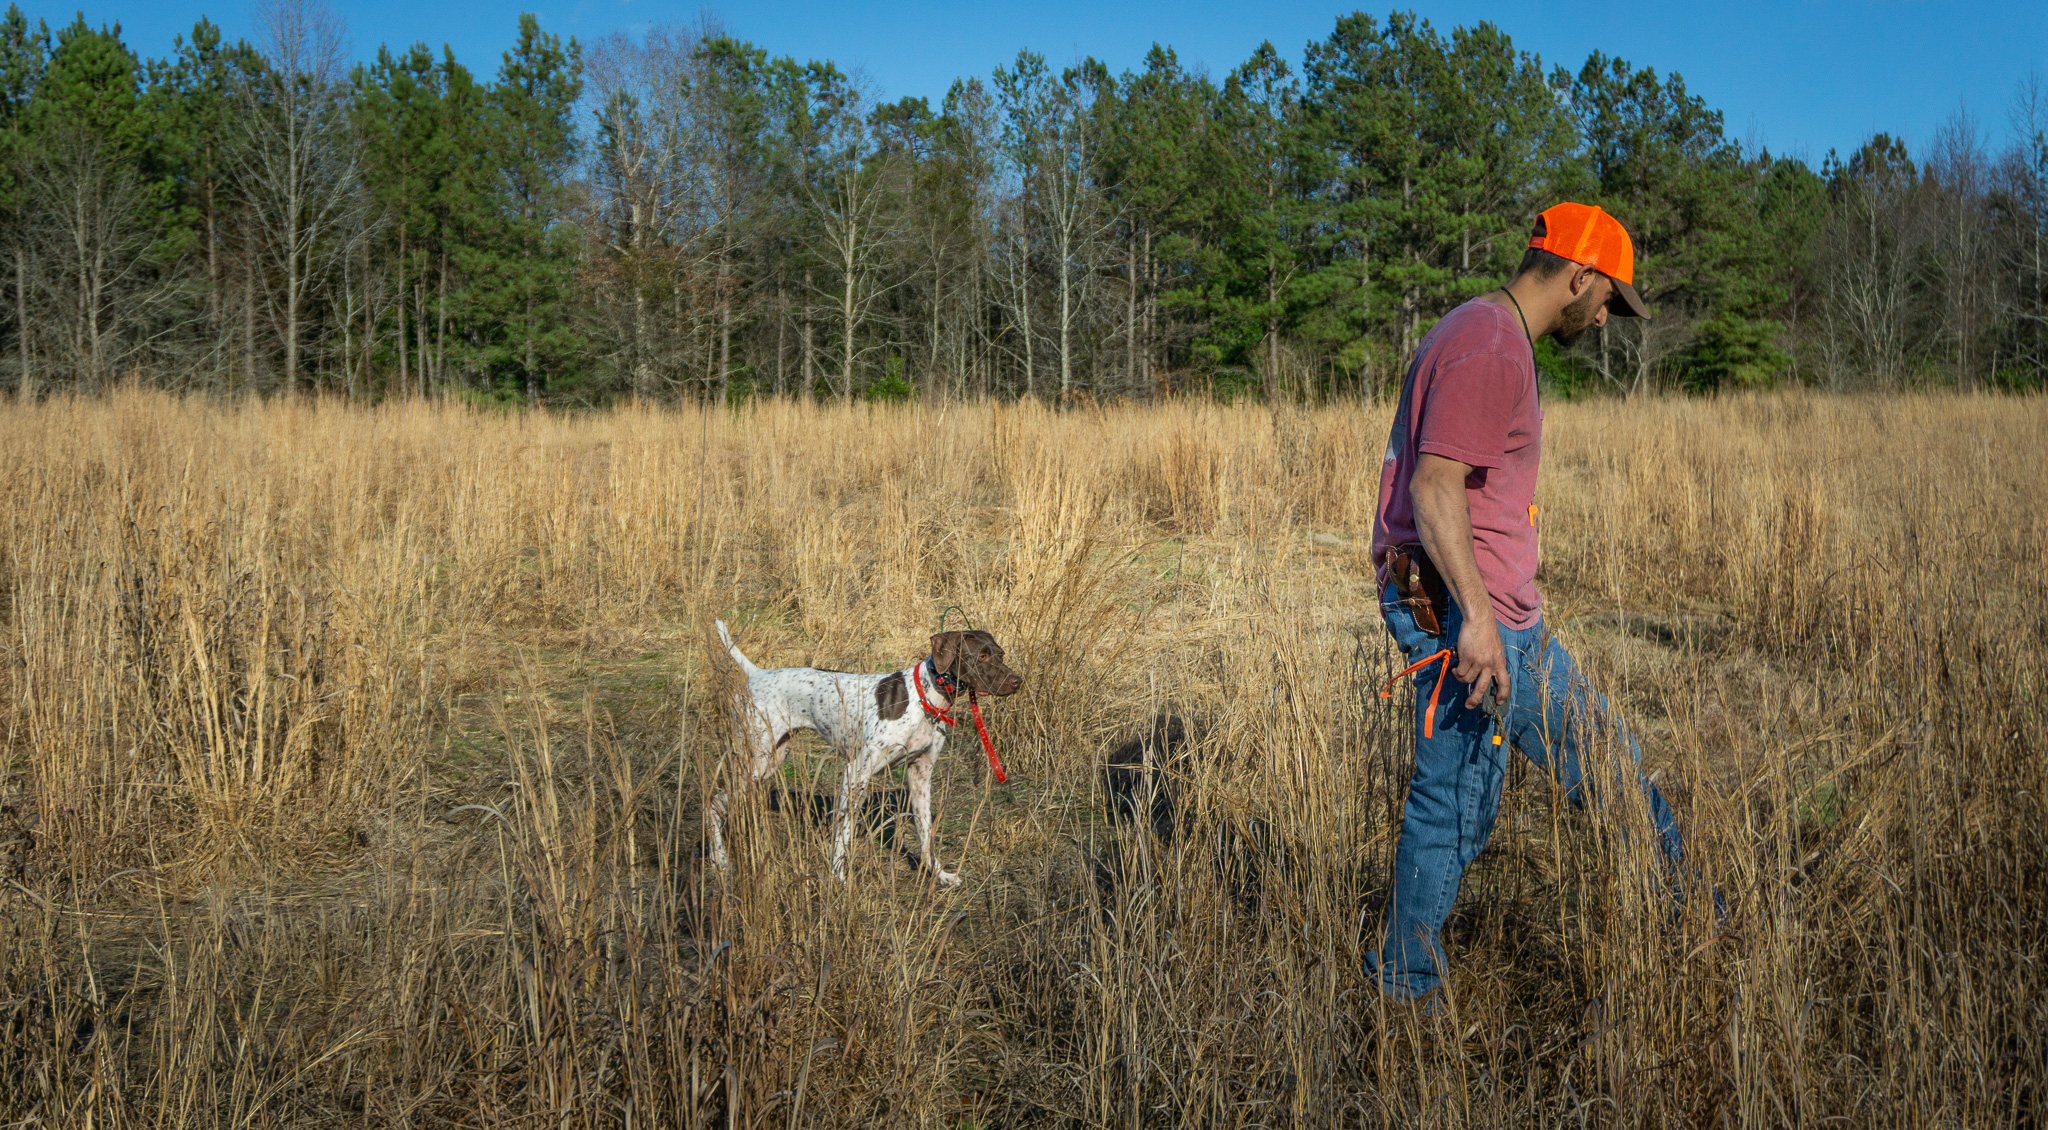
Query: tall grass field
[{"x": 352, "y": 763}]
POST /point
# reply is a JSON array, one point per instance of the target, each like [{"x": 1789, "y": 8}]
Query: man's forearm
[{"x": 1443, "y": 518}]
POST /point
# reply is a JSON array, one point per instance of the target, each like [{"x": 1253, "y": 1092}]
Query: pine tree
[
  {"x": 522, "y": 265},
  {"x": 1160, "y": 163},
  {"x": 24, "y": 53},
  {"x": 195, "y": 96},
  {"x": 1262, "y": 116},
  {"x": 1659, "y": 162},
  {"x": 396, "y": 106}
]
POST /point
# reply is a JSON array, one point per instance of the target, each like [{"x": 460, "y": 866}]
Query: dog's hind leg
[
  {"x": 714, "y": 827},
  {"x": 758, "y": 740}
]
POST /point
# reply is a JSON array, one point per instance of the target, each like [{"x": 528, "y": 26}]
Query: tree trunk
[
  {"x": 1024, "y": 322},
  {"x": 1272, "y": 330},
  {"x": 404, "y": 349},
  {"x": 810, "y": 371},
  {"x": 348, "y": 336},
  {"x": 422, "y": 346},
  {"x": 291, "y": 329},
  {"x": 1273, "y": 304},
  {"x": 212, "y": 218},
  {"x": 249, "y": 324},
  {"x": 1066, "y": 318},
  {"x": 980, "y": 330},
  {"x": 441, "y": 325},
  {"x": 532, "y": 370},
  {"x": 291, "y": 253},
  {"x": 931, "y": 356},
  {"x": 369, "y": 321},
  {"x": 81, "y": 344},
  {"x": 291, "y": 302},
  {"x": 846, "y": 330},
  {"x": 710, "y": 354},
  {"x": 1149, "y": 345},
  {"x": 781, "y": 334},
  {"x": 26, "y": 389},
  {"x": 724, "y": 328},
  {"x": 1131, "y": 314},
  {"x": 643, "y": 373}
]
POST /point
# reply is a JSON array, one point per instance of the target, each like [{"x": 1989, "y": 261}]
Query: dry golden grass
[{"x": 353, "y": 760}]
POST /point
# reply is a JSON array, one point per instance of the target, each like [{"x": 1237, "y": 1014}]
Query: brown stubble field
[{"x": 353, "y": 762}]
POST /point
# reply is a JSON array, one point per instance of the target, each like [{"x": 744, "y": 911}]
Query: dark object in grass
[
  {"x": 878, "y": 813},
  {"x": 1146, "y": 787},
  {"x": 1139, "y": 776}
]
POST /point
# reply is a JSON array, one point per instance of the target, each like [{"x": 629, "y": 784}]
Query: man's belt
[{"x": 1418, "y": 585}]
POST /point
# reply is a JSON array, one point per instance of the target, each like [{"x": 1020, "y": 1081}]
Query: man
[{"x": 1456, "y": 542}]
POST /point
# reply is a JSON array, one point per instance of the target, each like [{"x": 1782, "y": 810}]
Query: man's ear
[
  {"x": 945, "y": 649},
  {"x": 1582, "y": 280}
]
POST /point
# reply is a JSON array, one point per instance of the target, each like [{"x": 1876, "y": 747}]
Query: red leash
[
  {"x": 973, "y": 705},
  {"x": 989, "y": 747}
]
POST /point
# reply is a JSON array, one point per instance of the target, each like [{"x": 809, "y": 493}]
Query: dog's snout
[{"x": 1011, "y": 685}]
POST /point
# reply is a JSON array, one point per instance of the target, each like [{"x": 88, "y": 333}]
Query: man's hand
[{"x": 1482, "y": 661}]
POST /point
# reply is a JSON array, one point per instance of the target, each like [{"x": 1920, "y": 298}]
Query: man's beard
[{"x": 1573, "y": 321}]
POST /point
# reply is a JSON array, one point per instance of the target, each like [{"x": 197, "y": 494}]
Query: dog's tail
[{"x": 739, "y": 657}]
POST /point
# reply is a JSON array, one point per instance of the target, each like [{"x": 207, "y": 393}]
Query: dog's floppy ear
[{"x": 945, "y": 650}]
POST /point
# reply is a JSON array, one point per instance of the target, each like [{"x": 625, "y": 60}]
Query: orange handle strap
[{"x": 1429, "y": 719}]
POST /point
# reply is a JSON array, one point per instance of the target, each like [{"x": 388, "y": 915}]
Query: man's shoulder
[
  {"x": 1475, "y": 326},
  {"x": 1475, "y": 349}
]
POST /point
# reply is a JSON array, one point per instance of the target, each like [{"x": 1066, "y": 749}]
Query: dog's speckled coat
[{"x": 873, "y": 719}]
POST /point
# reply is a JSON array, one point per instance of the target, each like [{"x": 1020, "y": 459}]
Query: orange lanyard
[
  {"x": 1428, "y": 720},
  {"x": 1448, "y": 656}
]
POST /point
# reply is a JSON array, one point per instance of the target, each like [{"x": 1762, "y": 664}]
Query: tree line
[{"x": 681, "y": 214}]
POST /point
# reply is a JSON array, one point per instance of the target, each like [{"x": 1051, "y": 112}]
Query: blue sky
[{"x": 1801, "y": 76}]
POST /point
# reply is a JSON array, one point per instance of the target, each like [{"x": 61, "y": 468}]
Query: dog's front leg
[
  {"x": 853, "y": 790},
  {"x": 920, "y": 774}
]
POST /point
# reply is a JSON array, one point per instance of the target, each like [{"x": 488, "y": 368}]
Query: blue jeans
[{"x": 1455, "y": 793}]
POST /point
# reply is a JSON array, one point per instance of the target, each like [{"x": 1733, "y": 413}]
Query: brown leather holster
[{"x": 1419, "y": 586}]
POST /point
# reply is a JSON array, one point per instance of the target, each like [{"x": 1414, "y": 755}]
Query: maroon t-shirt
[{"x": 1471, "y": 396}]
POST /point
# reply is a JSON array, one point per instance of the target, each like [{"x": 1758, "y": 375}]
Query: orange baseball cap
[{"x": 1586, "y": 235}]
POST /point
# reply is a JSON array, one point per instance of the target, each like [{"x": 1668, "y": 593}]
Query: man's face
[{"x": 1589, "y": 309}]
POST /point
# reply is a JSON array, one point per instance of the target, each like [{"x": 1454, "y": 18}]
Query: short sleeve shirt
[{"x": 1471, "y": 396}]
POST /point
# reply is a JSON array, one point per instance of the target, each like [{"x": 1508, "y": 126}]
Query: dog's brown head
[{"x": 976, "y": 659}]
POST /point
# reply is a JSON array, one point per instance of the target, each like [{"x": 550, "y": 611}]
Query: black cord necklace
[{"x": 1522, "y": 316}]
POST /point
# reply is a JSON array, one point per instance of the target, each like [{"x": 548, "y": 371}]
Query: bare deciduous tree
[
  {"x": 299, "y": 164},
  {"x": 848, "y": 185},
  {"x": 1964, "y": 251},
  {"x": 1867, "y": 258},
  {"x": 2023, "y": 232},
  {"x": 87, "y": 235}
]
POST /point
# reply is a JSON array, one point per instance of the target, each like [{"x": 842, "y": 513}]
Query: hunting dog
[{"x": 876, "y": 721}]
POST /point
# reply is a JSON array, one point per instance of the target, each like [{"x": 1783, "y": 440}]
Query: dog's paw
[{"x": 949, "y": 879}]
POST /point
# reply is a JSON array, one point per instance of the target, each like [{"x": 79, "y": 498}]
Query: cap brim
[{"x": 1626, "y": 303}]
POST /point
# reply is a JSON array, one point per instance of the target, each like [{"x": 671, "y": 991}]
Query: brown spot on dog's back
[{"x": 891, "y": 697}]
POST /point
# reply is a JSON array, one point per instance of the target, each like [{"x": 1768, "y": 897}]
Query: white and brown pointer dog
[{"x": 877, "y": 721}]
